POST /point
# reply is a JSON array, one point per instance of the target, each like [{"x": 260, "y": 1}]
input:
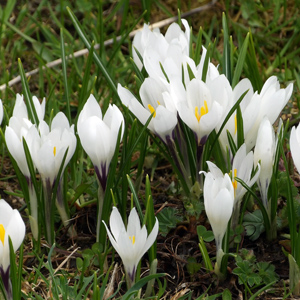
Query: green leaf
[
  {"x": 267, "y": 272},
  {"x": 254, "y": 224},
  {"x": 241, "y": 61},
  {"x": 138, "y": 285},
  {"x": 226, "y": 295},
  {"x": 207, "y": 235},
  {"x": 97, "y": 59},
  {"x": 168, "y": 218}
]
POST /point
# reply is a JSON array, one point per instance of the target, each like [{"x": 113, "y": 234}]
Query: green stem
[{"x": 101, "y": 194}]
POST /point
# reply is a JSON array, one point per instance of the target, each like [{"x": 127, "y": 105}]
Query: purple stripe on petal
[{"x": 6, "y": 282}]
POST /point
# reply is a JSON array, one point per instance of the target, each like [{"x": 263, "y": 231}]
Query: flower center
[
  {"x": 54, "y": 151},
  {"x": 203, "y": 111},
  {"x": 152, "y": 109},
  {"x": 132, "y": 239},
  {"x": 2, "y": 234}
]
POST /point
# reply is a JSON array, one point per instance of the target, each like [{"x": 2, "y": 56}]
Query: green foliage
[
  {"x": 254, "y": 224},
  {"x": 207, "y": 235},
  {"x": 168, "y": 219},
  {"x": 251, "y": 273}
]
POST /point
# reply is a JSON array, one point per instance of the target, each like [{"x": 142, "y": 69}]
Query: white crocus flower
[
  {"x": 232, "y": 96},
  {"x": 50, "y": 149},
  {"x": 264, "y": 153},
  {"x": 98, "y": 135},
  {"x": 295, "y": 146},
  {"x": 161, "y": 45},
  {"x": 11, "y": 225},
  {"x": 18, "y": 130},
  {"x": 130, "y": 243},
  {"x": 242, "y": 167},
  {"x": 269, "y": 102},
  {"x": 201, "y": 112},
  {"x": 1, "y": 112},
  {"x": 156, "y": 101},
  {"x": 20, "y": 109},
  {"x": 218, "y": 193}
]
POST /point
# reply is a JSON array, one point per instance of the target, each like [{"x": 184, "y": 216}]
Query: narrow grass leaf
[
  {"x": 65, "y": 75},
  {"x": 240, "y": 62},
  {"x": 28, "y": 98},
  {"x": 226, "y": 50},
  {"x": 138, "y": 285},
  {"x": 97, "y": 59}
]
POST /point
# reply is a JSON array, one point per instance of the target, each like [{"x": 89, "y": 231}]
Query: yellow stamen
[
  {"x": 54, "y": 151},
  {"x": 235, "y": 124},
  {"x": 203, "y": 111},
  {"x": 158, "y": 102},
  {"x": 152, "y": 110},
  {"x": 132, "y": 239},
  {"x": 234, "y": 182},
  {"x": 2, "y": 233}
]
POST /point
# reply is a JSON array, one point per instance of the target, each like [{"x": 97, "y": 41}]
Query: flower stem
[
  {"x": 101, "y": 194},
  {"x": 47, "y": 189}
]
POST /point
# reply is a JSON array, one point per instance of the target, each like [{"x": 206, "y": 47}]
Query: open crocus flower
[
  {"x": 232, "y": 96},
  {"x": 218, "y": 193},
  {"x": 20, "y": 109},
  {"x": 50, "y": 149},
  {"x": 269, "y": 102},
  {"x": 98, "y": 135},
  {"x": 200, "y": 112},
  {"x": 264, "y": 153},
  {"x": 11, "y": 225},
  {"x": 156, "y": 101},
  {"x": 295, "y": 146},
  {"x": 174, "y": 38},
  {"x": 130, "y": 243}
]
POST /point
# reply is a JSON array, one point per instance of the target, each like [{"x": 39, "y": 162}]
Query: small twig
[
  {"x": 67, "y": 258},
  {"x": 82, "y": 52}
]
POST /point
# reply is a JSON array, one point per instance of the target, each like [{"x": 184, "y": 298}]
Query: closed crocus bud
[
  {"x": 98, "y": 135},
  {"x": 1, "y": 112},
  {"x": 218, "y": 195},
  {"x": 132, "y": 242},
  {"x": 264, "y": 153},
  {"x": 14, "y": 134},
  {"x": 11, "y": 225}
]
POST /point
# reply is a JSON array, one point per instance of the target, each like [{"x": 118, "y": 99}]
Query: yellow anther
[
  {"x": 152, "y": 110},
  {"x": 2, "y": 234},
  {"x": 198, "y": 116},
  {"x": 54, "y": 151},
  {"x": 132, "y": 239},
  {"x": 158, "y": 102},
  {"x": 203, "y": 111},
  {"x": 235, "y": 124},
  {"x": 234, "y": 182}
]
